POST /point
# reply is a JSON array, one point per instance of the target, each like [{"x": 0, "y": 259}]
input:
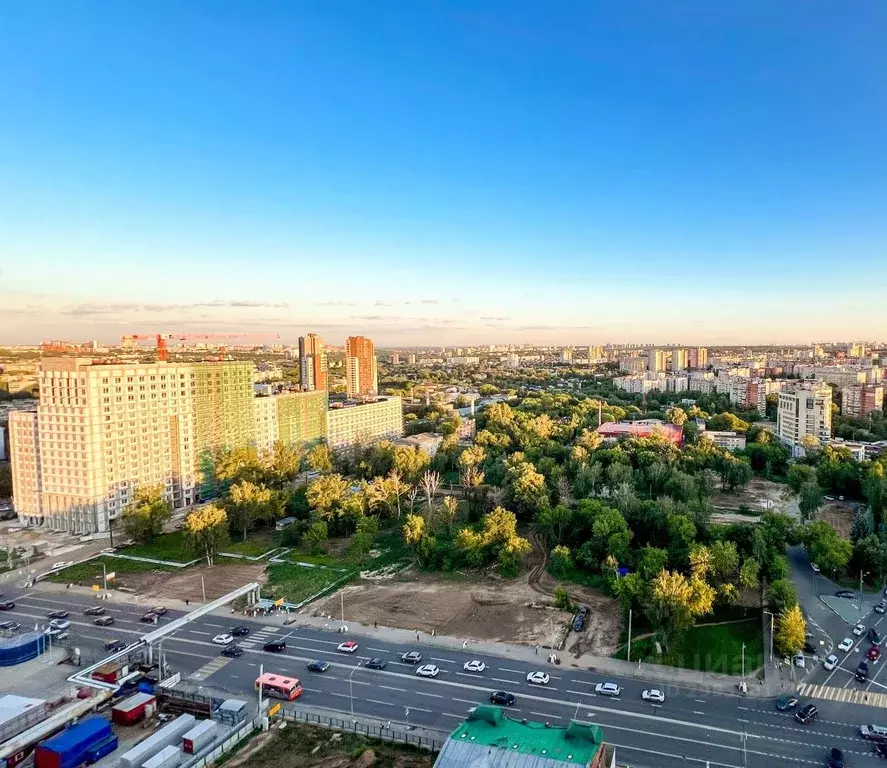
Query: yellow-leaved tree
[
  {"x": 206, "y": 531},
  {"x": 791, "y": 630}
]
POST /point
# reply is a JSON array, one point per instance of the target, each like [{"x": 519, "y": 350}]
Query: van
[
  {"x": 275, "y": 646},
  {"x": 873, "y": 733}
]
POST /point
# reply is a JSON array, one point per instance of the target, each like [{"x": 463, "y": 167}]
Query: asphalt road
[{"x": 690, "y": 728}]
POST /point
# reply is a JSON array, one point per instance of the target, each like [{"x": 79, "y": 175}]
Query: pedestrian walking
[
  {"x": 187, "y": 601},
  {"x": 433, "y": 633},
  {"x": 375, "y": 625},
  {"x": 417, "y": 637},
  {"x": 464, "y": 644},
  {"x": 536, "y": 648}
]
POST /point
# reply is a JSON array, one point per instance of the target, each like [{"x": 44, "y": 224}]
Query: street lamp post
[
  {"x": 743, "y": 661},
  {"x": 772, "y": 630},
  {"x": 628, "y": 652},
  {"x": 203, "y": 587}
]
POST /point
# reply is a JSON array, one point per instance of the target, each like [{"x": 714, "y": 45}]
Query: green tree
[
  {"x": 248, "y": 503},
  {"x": 206, "y": 531},
  {"x": 749, "y": 573},
  {"x": 512, "y": 554},
  {"x": 676, "y": 415},
  {"x": 799, "y": 474},
  {"x": 811, "y": 498},
  {"x": 791, "y": 630},
  {"x": 553, "y": 522},
  {"x": 283, "y": 463},
  {"x": 676, "y": 601},
  {"x": 561, "y": 560},
  {"x": 143, "y": 518},
  {"x": 320, "y": 458},
  {"x": 651, "y": 561},
  {"x": 526, "y": 488},
  {"x": 360, "y": 546},
  {"x": 327, "y": 494},
  {"x": 870, "y": 556},
  {"x": 781, "y": 595},
  {"x": 863, "y": 524},
  {"x": 724, "y": 562},
  {"x": 411, "y": 462},
  {"x": 874, "y": 486},
  {"x": 826, "y": 548},
  {"x": 237, "y": 464},
  {"x": 562, "y": 599},
  {"x": 316, "y": 536},
  {"x": 631, "y": 590}
]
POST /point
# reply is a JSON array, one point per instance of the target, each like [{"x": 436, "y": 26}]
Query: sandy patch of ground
[
  {"x": 481, "y": 609},
  {"x": 839, "y": 514},
  {"x": 759, "y": 496},
  {"x": 186, "y": 585}
]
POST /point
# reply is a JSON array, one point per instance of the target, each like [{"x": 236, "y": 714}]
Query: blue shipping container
[
  {"x": 97, "y": 752},
  {"x": 67, "y": 749}
]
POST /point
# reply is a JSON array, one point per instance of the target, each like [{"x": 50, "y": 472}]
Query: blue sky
[{"x": 432, "y": 172}]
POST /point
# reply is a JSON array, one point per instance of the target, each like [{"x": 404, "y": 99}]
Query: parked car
[
  {"x": 814, "y": 567},
  {"x": 10, "y": 626},
  {"x": 62, "y": 564},
  {"x": 411, "y": 657},
  {"x": 159, "y": 610},
  {"x": 149, "y": 618},
  {"x": 653, "y": 694},
  {"x": 428, "y": 670},
  {"x": 881, "y": 607},
  {"x": 232, "y": 651},
  {"x": 835, "y": 758},
  {"x": 846, "y": 644},
  {"x": 785, "y": 703},
  {"x": 873, "y": 733},
  {"x": 59, "y": 624},
  {"x": 96, "y": 610},
  {"x": 859, "y": 630},
  {"x": 349, "y": 646},
  {"x": 115, "y": 645},
  {"x": 538, "y": 678},
  {"x": 376, "y": 663},
  {"x": 847, "y": 594},
  {"x": 474, "y": 666},
  {"x": 607, "y": 689},
  {"x": 800, "y": 661},
  {"x": 319, "y": 666},
  {"x": 7, "y": 605},
  {"x": 862, "y": 672},
  {"x": 502, "y": 698},
  {"x": 103, "y": 621},
  {"x": 831, "y": 662},
  {"x": 58, "y": 615},
  {"x": 223, "y": 639},
  {"x": 240, "y": 631},
  {"x": 809, "y": 647},
  {"x": 874, "y": 653},
  {"x": 57, "y": 634},
  {"x": 874, "y": 636},
  {"x": 807, "y": 714},
  {"x": 275, "y": 646}
]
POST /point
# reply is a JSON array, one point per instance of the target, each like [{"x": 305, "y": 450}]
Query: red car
[{"x": 874, "y": 653}]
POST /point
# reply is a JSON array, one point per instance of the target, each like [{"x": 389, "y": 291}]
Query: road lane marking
[
  {"x": 502, "y": 680},
  {"x": 386, "y": 687},
  {"x": 697, "y": 712},
  {"x": 505, "y": 669},
  {"x": 197, "y": 632},
  {"x": 546, "y": 714},
  {"x": 464, "y": 701},
  {"x": 445, "y": 661},
  {"x": 384, "y": 703},
  {"x": 475, "y": 675},
  {"x": 582, "y": 693},
  {"x": 378, "y": 650},
  {"x": 658, "y": 753},
  {"x": 699, "y": 701},
  {"x": 448, "y": 714}
]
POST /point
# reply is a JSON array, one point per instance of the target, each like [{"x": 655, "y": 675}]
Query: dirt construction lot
[
  {"x": 759, "y": 496},
  {"x": 483, "y": 608},
  {"x": 838, "y": 514},
  {"x": 186, "y": 585}
]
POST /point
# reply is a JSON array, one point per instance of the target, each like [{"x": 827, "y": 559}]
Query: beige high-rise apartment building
[
  {"x": 360, "y": 367},
  {"x": 802, "y": 412},
  {"x": 698, "y": 358},
  {"x": 101, "y": 431},
  {"x": 655, "y": 360},
  {"x": 312, "y": 363},
  {"x": 680, "y": 360},
  {"x": 363, "y": 423},
  {"x": 860, "y": 400}
]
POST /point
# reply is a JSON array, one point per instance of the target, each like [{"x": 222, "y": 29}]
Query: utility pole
[
  {"x": 342, "y": 604},
  {"x": 203, "y": 587},
  {"x": 104, "y": 576},
  {"x": 743, "y": 661},
  {"x": 772, "y": 630},
  {"x": 261, "y": 675},
  {"x": 628, "y": 654}
]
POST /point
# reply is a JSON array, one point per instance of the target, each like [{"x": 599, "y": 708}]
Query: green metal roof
[{"x": 505, "y": 741}]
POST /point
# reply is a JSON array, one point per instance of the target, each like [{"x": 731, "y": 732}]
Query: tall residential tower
[
  {"x": 312, "y": 363},
  {"x": 360, "y": 367}
]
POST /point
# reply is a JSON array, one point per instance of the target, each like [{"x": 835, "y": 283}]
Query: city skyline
[{"x": 433, "y": 176}]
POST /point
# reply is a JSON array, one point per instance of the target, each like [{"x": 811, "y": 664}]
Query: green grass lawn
[
  {"x": 716, "y": 648},
  {"x": 91, "y": 572},
  {"x": 253, "y": 547},
  {"x": 296, "y": 583},
  {"x": 169, "y": 546}
]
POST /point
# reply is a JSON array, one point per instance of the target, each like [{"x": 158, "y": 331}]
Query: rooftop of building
[
  {"x": 341, "y": 404},
  {"x": 646, "y": 428},
  {"x": 489, "y": 739}
]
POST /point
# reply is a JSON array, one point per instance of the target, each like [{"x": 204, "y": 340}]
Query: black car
[
  {"x": 115, "y": 645},
  {"x": 376, "y": 663},
  {"x": 159, "y": 610},
  {"x": 96, "y": 610},
  {"x": 103, "y": 621},
  {"x": 232, "y": 651},
  {"x": 847, "y": 594},
  {"x": 807, "y": 713},
  {"x": 7, "y": 605},
  {"x": 881, "y": 751},
  {"x": 874, "y": 636},
  {"x": 835, "y": 758},
  {"x": 786, "y": 703},
  {"x": 240, "y": 631},
  {"x": 10, "y": 626},
  {"x": 149, "y": 618},
  {"x": 862, "y": 672},
  {"x": 809, "y": 647},
  {"x": 319, "y": 665},
  {"x": 275, "y": 646},
  {"x": 502, "y": 697},
  {"x": 58, "y": 615}
]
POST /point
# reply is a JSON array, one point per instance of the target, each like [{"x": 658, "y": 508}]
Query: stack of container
[{"x": 78, "y": 744}]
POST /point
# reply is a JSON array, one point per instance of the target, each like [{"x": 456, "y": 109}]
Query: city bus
[{"x": 279, "y": 687}]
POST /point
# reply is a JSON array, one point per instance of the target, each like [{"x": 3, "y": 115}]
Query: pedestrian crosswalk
[
  {"x": 850, "y": 695},
  {"x": 260, "y": 637},
  {"x": 211, "y": 667}
]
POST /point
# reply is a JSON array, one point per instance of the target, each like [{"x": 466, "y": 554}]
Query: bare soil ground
[
  {"x": 185, "y": 585},
  {"x": 839, "y": 515},
  {"x": 759, "y": 495}
]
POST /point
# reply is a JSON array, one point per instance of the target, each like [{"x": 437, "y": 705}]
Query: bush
[
  {"x": 561, "y": 560},
  {"x": 562, "y": 599}
]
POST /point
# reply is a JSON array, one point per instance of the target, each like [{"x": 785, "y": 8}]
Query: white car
[
  {"x": 59, "y": 624},
  {"x": 815, "y": 567},
  {"x": 846, "y": 644},
  {"x": 653, "y": 694},
  {"x": 223, "y": 639},
  {"x": 62, "y": 564},
  {"x": 607, "y": 689},
  {"x": 831, "y": 662},
  {"x": 800, "y": 661},
  {"x": 428, "y": 670},
  {"x": 474, "y": 666},
  {"x": 349, "y": 646},
  {"x": 881, "y": 607},
  {"x": 859, "y": 630},
  {"x": 538, "y": 678},
  {"x": 57, "y": 634}
]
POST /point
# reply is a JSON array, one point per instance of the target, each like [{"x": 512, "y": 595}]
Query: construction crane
[{"x": 161, "y": 339}]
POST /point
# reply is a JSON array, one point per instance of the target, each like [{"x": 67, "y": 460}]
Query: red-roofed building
[{"x": 613, "y": 430}]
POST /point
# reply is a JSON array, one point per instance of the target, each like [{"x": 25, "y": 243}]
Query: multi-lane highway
[{"x": 690, "y": 728}]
